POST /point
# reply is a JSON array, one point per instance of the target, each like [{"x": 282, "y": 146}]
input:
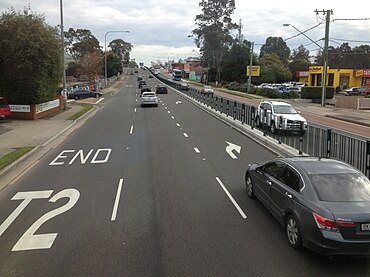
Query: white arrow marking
[
  {"x": 178, "y": 102},
  {"x": 232, "y": 147}
]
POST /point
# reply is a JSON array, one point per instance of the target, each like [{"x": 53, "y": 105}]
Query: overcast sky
[{"x": 159, "y": 29}]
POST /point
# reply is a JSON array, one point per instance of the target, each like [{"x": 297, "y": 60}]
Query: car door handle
[
  {"x": 289, "y": 195},
  {"x": 269, "y": 182}
]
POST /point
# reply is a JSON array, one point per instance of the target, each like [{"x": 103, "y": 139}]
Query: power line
[
  {"x": 360, "y": 41},
  {"x": 301, "y": 33},
  {"x": 347, "y": 19}
]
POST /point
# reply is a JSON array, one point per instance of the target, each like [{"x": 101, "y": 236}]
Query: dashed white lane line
[
  {"x": 231, "y": 198},
  {"x": 116, "y": 202},
  {"x": 165, "y": 108},
  {"x": 185, "y": 135},
  {"x": 178, "y": 124},
  {"x": 172, "y": 117},
  {"x": 131, "y": 129},
  {"x": 136, "y": 100},
  {"x": 168, "y": 111},
  {"x": 196, "y": 150},
  {"x": 135, "y": 110}
]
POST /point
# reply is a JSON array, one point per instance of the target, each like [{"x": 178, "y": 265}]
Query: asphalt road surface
[{"x": 154, "y": 191}]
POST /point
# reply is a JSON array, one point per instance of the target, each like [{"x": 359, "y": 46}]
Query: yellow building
[{"x": 344, "y": 78}]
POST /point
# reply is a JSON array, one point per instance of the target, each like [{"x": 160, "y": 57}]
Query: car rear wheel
[
  {"x": 77, "y": 97},
  {"x": 293, "y": 232},
  {"x": 249, "y": 186},
  {"x": 96, "y": 95}
]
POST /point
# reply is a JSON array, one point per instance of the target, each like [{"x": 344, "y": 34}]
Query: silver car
[{"x": 149, "y": 98}]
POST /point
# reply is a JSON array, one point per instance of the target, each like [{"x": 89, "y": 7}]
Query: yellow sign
[{"x": 255, "y": 70}]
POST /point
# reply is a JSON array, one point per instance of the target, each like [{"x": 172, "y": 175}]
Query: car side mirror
[{"x": 259, "y": 169}]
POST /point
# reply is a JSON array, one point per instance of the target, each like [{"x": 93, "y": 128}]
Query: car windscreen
[
  {"x": 284, "y": 109},
  {"x": 343, "y": 187}
]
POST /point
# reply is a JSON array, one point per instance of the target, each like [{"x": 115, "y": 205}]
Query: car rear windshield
[
  {"x": 3, "y": 103},
  {"x": 348, "y": 187},
  {"x": 149, "y": 94}
]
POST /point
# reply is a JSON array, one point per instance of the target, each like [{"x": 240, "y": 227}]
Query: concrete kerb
[
  {"x": 48, "y": 141},
  {"x": 254, "y": 134}
]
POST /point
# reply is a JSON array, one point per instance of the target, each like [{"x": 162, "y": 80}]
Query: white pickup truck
[{"x": 281, "y": 116}]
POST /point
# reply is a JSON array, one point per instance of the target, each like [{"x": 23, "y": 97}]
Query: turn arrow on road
[{"x": 232, "y": 147}]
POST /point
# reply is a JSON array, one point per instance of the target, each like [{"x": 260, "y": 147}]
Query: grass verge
[
  {"x": 12, "y": 156},
  {"x": 86, "y": 108}
]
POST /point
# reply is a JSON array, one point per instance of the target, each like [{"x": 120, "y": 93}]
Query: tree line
[{"x": 227, "y": 57}]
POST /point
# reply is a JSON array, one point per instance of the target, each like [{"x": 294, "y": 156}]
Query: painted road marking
[
  {"x": 172, "y": 117},
  {"x": 135, "y": 110},
  {"x": 100, "y": 100},
  {"x": 196, "y": 150},
  {"x": 178, "y": 124},
  {"x": 131, "y": 129},
  {"x": 231, "y": 198},
  {"x": 116, "y": 202},
  {"x": 168, "y": 112},
  {"x": 185, "y": 135}
]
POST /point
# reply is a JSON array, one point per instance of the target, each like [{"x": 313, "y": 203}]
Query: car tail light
[{"x": 329, "y": 224}]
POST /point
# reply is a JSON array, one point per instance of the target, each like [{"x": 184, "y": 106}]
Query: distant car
[
  {"x": 83, "y": 93},
  {"x": 296, "y": 89},
  {"x": 149, "y": 98},
  {"x": 353, "y": 90},
  {"x": 184, "y": 86},
  {"x": 145, "y": 89},
  {"x": 150, "y": 76},
  {"x": 207, "y": 90},
  {"x": 131, "y": 73},
  {"x": 322, "y": 203},
  {"x": 136, "y": 71},
  {"x": 139, "y": 78},
  {"x": 4, "y": 108},
  {"x": 161, "y": 89},
  {"x": 365, "y": 91},
  {"x": 141, "y": 83}
]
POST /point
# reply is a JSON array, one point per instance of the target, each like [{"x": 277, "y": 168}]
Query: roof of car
[
  {"x": 318, "y": 165},
  {"x": 148, "y": 92}
]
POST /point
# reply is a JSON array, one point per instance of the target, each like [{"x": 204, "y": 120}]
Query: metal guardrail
[{"x": 316, "y": 142}]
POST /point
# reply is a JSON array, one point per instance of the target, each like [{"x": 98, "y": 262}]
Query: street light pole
[
  {"x": 325, "y": 71},
  {"x": 105, "y": 53},
  {"x": 250, "y": 69},
  {"x": 63, "y": 56}
]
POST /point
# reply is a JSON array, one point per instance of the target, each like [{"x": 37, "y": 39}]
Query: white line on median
[
  {"x": 196, "y": 150},
  {"x": 100, "y": 100},
  {"x": 185, "y": 135},
  {"x": 131, "y": 129},
  {"x": 231, "y": 198},
  {"x": 116, "y": 202}
]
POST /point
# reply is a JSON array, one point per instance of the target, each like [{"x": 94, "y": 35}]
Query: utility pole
[
  {"x": 325, "y": 54},
  {"x": 250, "y": 68},
  {"x": 63, "y": 55},
  {"x": 240, "y": 31}
]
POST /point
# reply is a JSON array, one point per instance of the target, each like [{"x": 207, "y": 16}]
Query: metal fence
[{"x": 316, "y": 142}]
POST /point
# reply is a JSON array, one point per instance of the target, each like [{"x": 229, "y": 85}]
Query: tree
[
  {"x": 299, "y": 60},
  {"x": 73, "y": 69},
  {"x": 278, "y": 46},
  {"x": 236, "y": 61},
  {"x": 213, "y": 32},
  {"x": 81, "y": 42},
  {"x": 273, "y": 69},
  {"x": 30, "y": 56},
  {"x": 114, "y": 65},
  {"x": 91, "y": 65},
  {"x": 122, "y": 49}
]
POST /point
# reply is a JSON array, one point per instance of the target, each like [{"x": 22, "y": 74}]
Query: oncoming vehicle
[
  {"x": 207, "y": 90},
  {"x": 149, "y": 99},
  {"x": 4, "y": 108},
  {"x": 176, "y": 74},
  {"x": 280, "y": 116},
  {"x": 83, "y": 93},
  {"x": 184, "y": 86},
  {"x": 322, "y": 203}
]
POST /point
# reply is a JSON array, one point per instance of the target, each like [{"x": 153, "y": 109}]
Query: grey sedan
[
  {"x": 149, "y": 98},
  {"x": 323, "y": 204}
]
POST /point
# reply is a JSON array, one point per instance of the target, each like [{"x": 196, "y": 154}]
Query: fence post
[
  {"x": 234, "y": 112},
  {"x": 328, "y": 143},
  {"x": 243, "y": 113},
  {"x": 253, "y": 115},
  {"x": 227, "y": 107},
  {"x": 368, "y": 158},
  {"x": 221, "y": 104}
]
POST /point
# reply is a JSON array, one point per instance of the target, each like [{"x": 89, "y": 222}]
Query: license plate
[{"x": 365, "y": 227}]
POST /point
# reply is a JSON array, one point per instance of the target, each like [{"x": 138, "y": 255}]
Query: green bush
[
  {"x": 269, "y": 93},
  {"x": 315, "y": 92}
]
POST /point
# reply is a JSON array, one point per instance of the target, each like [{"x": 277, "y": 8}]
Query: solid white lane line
[
  {"x": 196, "y": 150},
  {"x": 178, "y": 124},
  {"x": 116, "y": 202},
  {"x": 185, "y": 135},
  {"x": 131, "y": 129},
  {"x": 231, "y": 198}
]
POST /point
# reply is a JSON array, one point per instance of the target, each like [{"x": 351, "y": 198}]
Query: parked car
[
  {"x": 184, "y": 86},
  {"x": 365, "y": 91},
  {"x": 150, "y": 76},
  {"x": 4, "y": 108},
  {"x": 141, "y": 83},
  {"x": 83, "y": 93},
  {"x": 207, "y": 90},
  {"x": 322, "y": 203},
  {"x": 161, "y": 89},
  {"x": 353, "y": 90},
  {"x": 139, "y": 78},
  {"x": 149, "y": 98}
]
